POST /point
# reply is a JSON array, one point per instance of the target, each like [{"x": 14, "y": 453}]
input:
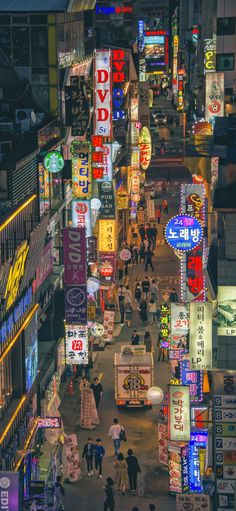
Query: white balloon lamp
[{"x": 155, "y": 395}]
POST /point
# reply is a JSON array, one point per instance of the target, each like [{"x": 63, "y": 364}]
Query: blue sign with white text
[{"x": 183, "y": 232}]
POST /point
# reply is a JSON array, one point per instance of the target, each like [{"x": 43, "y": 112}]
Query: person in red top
[
  {"x": 165, "y": 206},
  {"x": 158, "y": 214}
]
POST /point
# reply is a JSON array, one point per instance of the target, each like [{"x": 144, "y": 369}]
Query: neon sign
[
  {"x": 113, "y": 10},
  {"x": 183, "y": 232},
  {"x": 119, "y": 77},
  {"x": 102, "y": 94},
  {"x": 16, "y": 273}
]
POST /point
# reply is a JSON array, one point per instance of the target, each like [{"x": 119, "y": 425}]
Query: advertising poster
[
  {"x": 108, "y": 323},
  {"x": 141, "y": 217},
  {"x": 81, "y": 215},
  {"x": 31, "y": 352},
  {"x": 226, "y": 317},
  {"x": 107, "y": 198},
  {"x": 162, "y": 440},
  {"x": 76, "y": 304},
  {"x": 76, "y": 344},
  {"x": 214, "y": 96},
  {"x": 72, "y": 457},
  {"x": 81, "y": 170},
  {"x": 10, "y": 485},
  {"x": 200, "y": 337},
  {"x": 45, "y": 266},
  {"x": 179, "y": 342},
  {"x": 193, "y": 502},
  {"x": 103, "y": 93},
  {"x": 179, "y": 319},
  {"x": 107, "y": 236},
  {"x": 155, "y": 53},
  {"x": 179, "y": 413},
  {"x": 74, "y": 250}
]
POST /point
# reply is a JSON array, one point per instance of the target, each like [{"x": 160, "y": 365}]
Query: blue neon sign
[
  {"x": 183, "y": 232},
  {"x": 17, "y": 314}
]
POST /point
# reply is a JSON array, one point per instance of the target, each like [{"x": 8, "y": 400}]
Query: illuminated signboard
[
  {"x": 191, "y": 378},
  {"x": 81, "y": 216},
  {"x": 145, "y": 148},
  {"x": 193, "y": 196},
  {"x": 15, "y": 274},
  {"x": 53, "y": 162},
  {"x": 178, "y": 468},
  {"x": 74, "y": 251},
  {"x": 49, "y": 422},
  {"x": 102, "y": 93},
  {"x": 76, "y": 304},
  {"x": 107, "y": 198},
  {"x": 119, "y": 68},
  {"x": 197, "y": 446},
  {"x": 106, "y": 11},
  {"x": 76, "y": 344},
  {"x": 107, "y": 236},
  {"x": 164, "y": 325},
  {"x": 179, "y": 413},
  {"x": 179, "y": 318},
  {"x": 214, "y": 95},
  {"x": 183, "y": 232},
  {"x": 31, "y": 352},
  {"x": 81, "y": 170},
  {"x": 155, "y": 55},
  {"x": 210, "y": 55},
  {"x": 7, "y": 328},
  {"x": 201, "y": 335},
  {"x": 10, "y": 491},
  {"x": 226, "y": 314}
]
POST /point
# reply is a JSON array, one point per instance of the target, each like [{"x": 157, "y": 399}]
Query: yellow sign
[
  {"x": 145, "y": 147},
  {"x": 81, "y": 170},
  {"x": 122, "y": 201},
  {"x": 91, "y": 309},
  {"x": 107, "y": 236},
  {"x": 15, "y": 274}
]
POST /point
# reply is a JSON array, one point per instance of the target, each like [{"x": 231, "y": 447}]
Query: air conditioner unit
[{"x": 6, "y": 127}]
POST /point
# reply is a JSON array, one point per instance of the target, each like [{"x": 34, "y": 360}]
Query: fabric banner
[
  {"x": 72, "y": 457},
  {"x": 179, "y": 413},
  {"x": 74, "y": 248},
  {"x": 108, "y": 323}
]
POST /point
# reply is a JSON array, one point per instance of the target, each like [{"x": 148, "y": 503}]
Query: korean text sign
[
  {"x": 193, "y": 502},
  {"x": 214, "y": 95},
  {"x": 183, "y": 232},
  {"x": 179, "y": 413},
  {"x": 81, "y": 170},
  {"x": 107, "y": 236},
  {"x": 76, "y": 344},
  {"x": 9, "y": 491},
  {"x": 102, "y": 94},
  {"x": 179, "y": 318},
  {"x": 81, "y": 215},
  {"x": 75, "y": 256},
  {"x": 201, "y": 335}
]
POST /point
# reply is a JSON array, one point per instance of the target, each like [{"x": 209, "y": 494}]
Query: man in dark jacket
[
  {"x": 145, "y": 286},
  {"x": 149, "y": 255},
  {"x": 97, "y": 391},
  {"x": 173, "y": 296},
  {"x": 59, "y": 493},
  {"x": 135, "y": 338},
  {"x": 88, "y": 454},
  {"x": 142, "y": 232},
  {"x": 133, "y": 469}
]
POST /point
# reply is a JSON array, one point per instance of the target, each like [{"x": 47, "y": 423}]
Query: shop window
[
  {"x": 38, "y": 19},
  {"x": 21, "y": 50},
  {"x": 225, "y": 62},
  {"x": 226, "y": 26},
  {"x": 39, "y": 46},
  {"x": 5, "y": 41}
]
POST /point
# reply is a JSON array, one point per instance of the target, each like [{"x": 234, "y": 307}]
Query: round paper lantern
[
  {"x": 97, "y": 330},
  {"x": 106, "y": 270},
  {"x": 92, "y": 285},
  {"x": 155, "y": 395}
]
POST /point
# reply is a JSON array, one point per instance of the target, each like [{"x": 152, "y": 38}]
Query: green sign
[{"x": 53, "y": 162}]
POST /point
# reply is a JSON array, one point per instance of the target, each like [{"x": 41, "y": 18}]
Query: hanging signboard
[
  {"x": 201, "y": 335},
  {"x": 183, "y": 232},
  {"x": 76, "y": 106},
  {"x": 191, "y": 378},
  {"x": 81, "y": 170},
  {"x": 53, "y": 162},
  {"x": 107, "y": 236},
  {"x": 10, "y": 491},
  {"x": 76, "y": 304},
  {"x": 145, "y": 147},
  {"x": 210, "y": 55},
  {"x": 179, "y": 413},
  {"x": 214, "y": 96},
  {"x": 119, "y": 77},
  {"x": 226, "y": 314},
  {"x": 76, "y": 344},
  {"x": 179, "y": 319},
  {"x": 107, "y": 198},
  {"x": 102, "y": 93},
  {"x": 81, "y": 216},
  {"x": 74, "y": 246}
]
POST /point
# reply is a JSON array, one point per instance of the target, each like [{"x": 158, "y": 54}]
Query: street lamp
[{"x": 155, "y": 395}]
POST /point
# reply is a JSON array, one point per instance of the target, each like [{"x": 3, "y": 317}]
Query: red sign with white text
[{"x": 102, "y": 94}]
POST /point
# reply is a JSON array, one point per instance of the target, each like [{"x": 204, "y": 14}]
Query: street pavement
[{"x": 140, "y": 425}]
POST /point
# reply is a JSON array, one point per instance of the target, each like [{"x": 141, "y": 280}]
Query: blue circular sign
[{"x": 183, "y": 232}]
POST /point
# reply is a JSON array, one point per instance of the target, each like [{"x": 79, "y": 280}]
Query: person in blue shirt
[
  {"x": 88, "y": 454},
  {"x": 99, "y": 455}
]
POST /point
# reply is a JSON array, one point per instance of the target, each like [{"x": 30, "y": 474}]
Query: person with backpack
[
  {"x": 114, "y": 432},
  {"x": 59, "y": 493}
]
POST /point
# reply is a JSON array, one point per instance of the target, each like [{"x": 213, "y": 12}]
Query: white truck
[{"x": 134, "y": 375}]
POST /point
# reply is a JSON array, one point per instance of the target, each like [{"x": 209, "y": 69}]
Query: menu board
[
  {"x": 193, "y": 502},
  {"x": 72, "y": 457},
  {"x": 178, "y": 468},
  {"x": 108, "y": 323}
]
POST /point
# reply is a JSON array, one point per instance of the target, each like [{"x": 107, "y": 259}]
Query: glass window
[
  {"x": 21, "y": 50},
  {"x": 5, "y": 41},
  {"x": 19, "y": 20},
  {"x": 40, "y": 75},
  {"x": 5, "y": 20},
  {"x": 225, "y": 26},
  {"x": 225, "y": 62},
  {"x": 39, "y": 45},
  {"x": 38, "y": 19}
]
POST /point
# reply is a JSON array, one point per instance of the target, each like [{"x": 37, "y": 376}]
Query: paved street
[{"x": 140, "y": 424}]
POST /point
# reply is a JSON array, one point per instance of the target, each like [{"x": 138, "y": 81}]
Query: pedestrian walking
[
  {"x": 59, "y": 493},
  {"x": 146, "y": 244},
  {"x": 152, "y": 507},
  {"x": 99, "y": 455},
  {"x": 173, "y": 296},
  {"x": 160, "y": 351},
  {"x": 142, "y": 252},
  {"x": 121, "y": 473},
  {"x": 114, "y": 433},
  {"x": 145, "y": 287},
  {"x": 154, "y": 235},
  {"x": 133, "y": 470},
  {"x": 128, "y": 295},
  {"x": 165, "y": 207},
  {"x": 163, "y": 187},
  {"x": 84, "y": 384},
  {"x": 135, "y": 255},
  {"x": 97, "y": 391},
  {"x": 148, "y": 342},
  {"x": 109, "y": 500},
  {"x": 177, "y": 121},
  {"x": 142, "y": 232},
  {"x": 149, "y": 255},
  {"x": 128, "y": 314},
  {"x": 121, "y": 301},
  {"x": 138, "y": 293},
  {"x": 158, "y": 214},
  {"x": 88, "y": 454},
  {"x": 154, "y": 290},
  {"x": 120, "y": 266},
  {"x": 149, "y": 233},
  {"x": 152, "y": 310},
  {"x": 135, "y": 338},
  {"x": 143, "y": 310}
]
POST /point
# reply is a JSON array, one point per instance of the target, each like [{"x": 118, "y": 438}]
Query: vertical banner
[
  {"x": 179, "y": 413},
  {"x": 179, "y": 318},
  {"x": 102, "y": 94},
  {"x": 76, "y": 304},
  {"x": 143, "y": 106},
  {"x": 74, "y": 246},
  {"x": 210, "y": 55},
  {"x": 76, "y": 106},
  {"x": 107, "y": 236},
  {"x": 10, "y": 486},
  {"x": 72, "y": 457},
  {"x": 107, "y": 198},
  {"x": 108, "y": 323},
  {"x": 81, "y": 215},
  {"x": 76, "y": 344},
  {"x": 201, "y": 335},
  {"x": 81, "y": 170},
  {"x": 214, "y": 96}
]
